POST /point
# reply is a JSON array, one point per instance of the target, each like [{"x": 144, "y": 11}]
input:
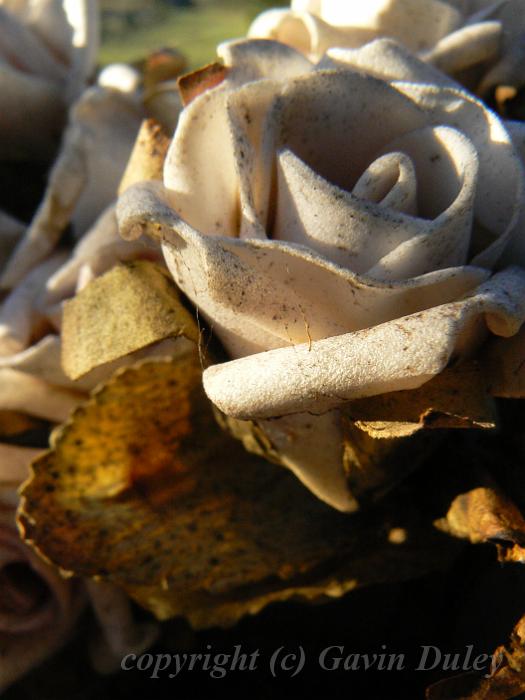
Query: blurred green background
[{"x": 133, "y": 28}]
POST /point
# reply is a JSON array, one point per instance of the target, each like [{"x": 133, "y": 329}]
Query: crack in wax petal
[{"x": 347, "y": 246}]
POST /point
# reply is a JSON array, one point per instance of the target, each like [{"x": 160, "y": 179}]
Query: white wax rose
[
  {"x": 84, "y": 179},
  {"x": 47, "y": 52},
  {"x": 339, "y": 233},
  {"x": 31, "y": 376},
  {"x": 38, "y": 608},
  {"x": 479, "y": 42}
]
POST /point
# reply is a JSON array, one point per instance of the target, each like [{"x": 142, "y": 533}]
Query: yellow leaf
[
  {"x": 142, "y": 489},
  {"x": 455, "y": 398},
  {"x": 130, "y": 307}
]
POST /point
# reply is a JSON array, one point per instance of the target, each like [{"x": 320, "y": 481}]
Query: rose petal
[
  {"x": 11, "y": 231},
  {"x": 499, "y": 193},
  {"x": 466, "y": 47},
  {"x": 84, "y": 179},
  {"x": 355, "y": 365},
  {"x": 447, "y": 170},
  {"x": 186, "y": 169},
  {"x": 253, "y": 145},
  {"x": 250, "y": 60},
  {"x": 306, "y": 32},
  {"x": 20, "y": 313},
  {"x": 45, "y": 617},
  {"x": 22, "y": 392},
  {"x": 227, "y": 278},
  {"x": 317, "y": 109},
  {"x": 418, "y": 24},
  {"x": 508, "y": 70},
  {"x": 120, "y": 634},
  {"x": 385, "y": 59},
  {"x": 97, "y": 251},
  {"x": 83, "y": 16},
  {"x": 312, "y": 448},
  {"x": 403, "y": 246},
  {"x": 391, "y": 181},
  {"x": 26, "y": 51}
]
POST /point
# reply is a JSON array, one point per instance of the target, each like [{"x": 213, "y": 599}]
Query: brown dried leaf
[
  {"x": 506, "y": 680},
  {"x": 483, "y": 515},
  {"x": 374, "y": 465},
  {"x": 147, "y": 158},
  {"x": 194, "y": 84},
  {"x": 132, "y": 306},
  {"x": 455, "y": 398},
  {"x": 164, "y": 64},
  {"x": 142, "y": 489}
]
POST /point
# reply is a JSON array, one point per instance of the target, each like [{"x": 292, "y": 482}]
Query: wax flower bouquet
[{"x": 276, "y": 308}]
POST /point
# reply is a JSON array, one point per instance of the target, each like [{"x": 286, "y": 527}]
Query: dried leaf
[
  {"x": 147, "y": 158},
  {"x": 130, "y": 307},
  {"x": 162, "y": 65},
  {"x": 194, "y": 84},
  {"x": 170, "y": 508},
  {"x": 373, "y": 466},
  {"x": 455, "y": 398},
  {"x": 506, "y": 680},
  {"x": 386, "y": 437},
  {"x": 483, "y": 515}
]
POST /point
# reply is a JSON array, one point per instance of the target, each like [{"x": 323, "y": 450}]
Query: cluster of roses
[{"x": 337, "y": 201}]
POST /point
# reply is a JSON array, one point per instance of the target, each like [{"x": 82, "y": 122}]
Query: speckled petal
[
  {"x": 336, "y": 121},
  {"x": 208, "y": 134},
  {"x": 319, "y": 376},
  {"x": 364, "y": 232},
  {"x": 227, "y": 278},
  {"x": 499, "y": 195},
  {"x": 446, "y": 164}
]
